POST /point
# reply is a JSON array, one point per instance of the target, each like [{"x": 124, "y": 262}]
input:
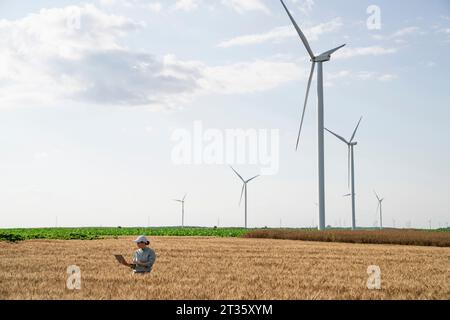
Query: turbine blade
[
  {"x": 347, "y": 195},
  {"x": 378, "y": 207},
  {"x": 300, "y": 33},
  {"x": 376, "y": 195},
  {"x": 306, "y": 103},
  {"x": 337, "y": 136},
  {"x": 330, "y": 52},
  {"x": 242, "y": 193},
  {"x": 356, "y": 129},
  {"x": 184, "y": 196},
  {"x": 252, "y": 178},
  {"x": 237, "y": 174},
  {"x": 177, "y": 200}
]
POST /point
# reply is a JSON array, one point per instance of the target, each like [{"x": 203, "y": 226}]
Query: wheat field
[{"x": 223, "y": 268}]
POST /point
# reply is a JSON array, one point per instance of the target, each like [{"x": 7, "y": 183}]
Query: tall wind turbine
[
  {"x": 182, "y": 209},
  {"x": 319, "y": 60},
  {"x": 351, "y": 167},
  {"x": 244, "y": 191},
  {"x": 380, "y": 206}
]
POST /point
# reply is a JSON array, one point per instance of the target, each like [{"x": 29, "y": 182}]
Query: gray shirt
[{"x": 146, "y": 256}]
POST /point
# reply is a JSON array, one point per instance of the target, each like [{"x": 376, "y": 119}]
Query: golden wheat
[
  {"x": 385, "y": 236},
  {"x": 224, "y": 268}
]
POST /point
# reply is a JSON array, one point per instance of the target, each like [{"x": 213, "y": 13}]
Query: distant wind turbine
[
  {"x": 182, "y": 209},
  {"x": 351, "y": 167},
  {"x": 244, "y": 191},
  {"x": 319, "y": 60},
  {"x": 380, "y": 207}
]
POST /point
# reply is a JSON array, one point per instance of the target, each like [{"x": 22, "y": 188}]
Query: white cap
[{"x": 142, "y": 239}]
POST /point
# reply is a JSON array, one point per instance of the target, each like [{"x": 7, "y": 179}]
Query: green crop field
[{"x": 97, "y": 233}]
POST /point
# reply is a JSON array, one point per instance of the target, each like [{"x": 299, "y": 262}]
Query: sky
[{"x": 111, "y": 109}]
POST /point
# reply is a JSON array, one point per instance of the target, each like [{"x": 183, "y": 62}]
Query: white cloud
[
  {"x": 446, "y": 32},
  {"x": 346, "y": 76},
  {"x": 45, "y": 59},
  {"x": 283, "y": 32},
  {"x": 242, "y": 6},
  {"x": 46, "y": 62},
  {"x": 387, "y": 77},
  {"x": 249, "y": 77},
  {"x": 107, "y": 2},
  {"x": 349, "y": 52},
  {"x": 399, "y": 33},
  {"x": 154, "y": 6},
  {"x": 273, "y": 35},
  {"x": 186, "y": 5},
  {"x": 304, "y": 6},
  {"x": 405, "y": 31}
]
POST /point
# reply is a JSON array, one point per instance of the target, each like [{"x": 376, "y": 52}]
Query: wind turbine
[
  {"x": 244, "y": 190},
  {"x": 380, "y": 206},
  {"x": 351, "y": 167},
  {"x": 182, "y": 209},
  {"x": 319, "y": 60}
]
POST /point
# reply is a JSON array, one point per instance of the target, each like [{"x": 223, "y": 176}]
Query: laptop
[{"x": 120, "y": 259}]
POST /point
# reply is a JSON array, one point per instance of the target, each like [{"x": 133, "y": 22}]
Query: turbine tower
[
  {"x": 319, "y": 60},
  {"x": 182, "y": 209},
  {"x": 351, "y": 168},
  {"x": 244, "y": 190},
  {"x": 380, "y": 206}
]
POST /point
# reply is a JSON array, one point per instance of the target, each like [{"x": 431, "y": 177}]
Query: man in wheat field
[{"x": 144, "y": 257}]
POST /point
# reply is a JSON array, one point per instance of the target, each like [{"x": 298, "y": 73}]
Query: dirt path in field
[{"x": 224, "y": 268}]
